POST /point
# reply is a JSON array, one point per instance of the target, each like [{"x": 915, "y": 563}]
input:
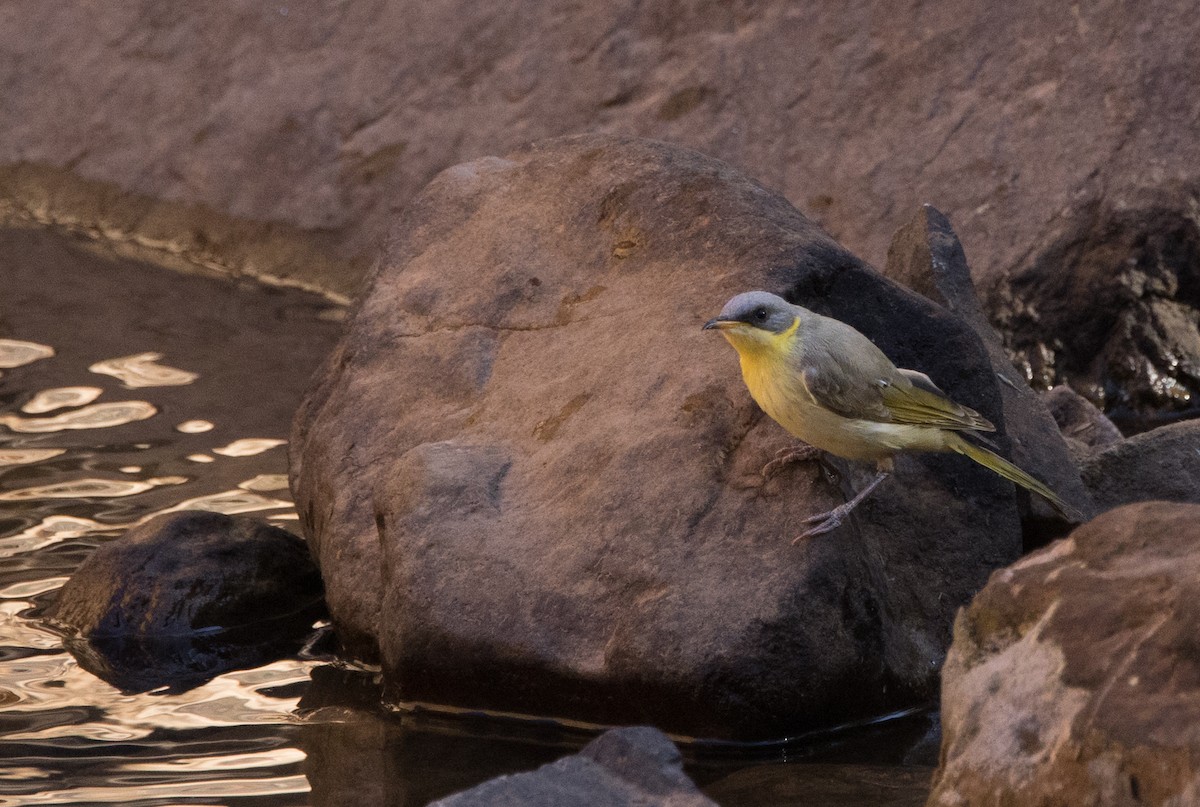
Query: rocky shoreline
[
  {"x": 526, "y": 482},
  {"x": 531, "y": 489}
]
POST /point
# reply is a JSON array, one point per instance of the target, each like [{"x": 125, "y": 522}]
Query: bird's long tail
[{"x": 1010, "y": 472}]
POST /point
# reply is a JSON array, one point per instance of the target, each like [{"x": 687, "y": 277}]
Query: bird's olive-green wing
[
  {"x": 840, "y": 390},
  {"x": 887, "y": 395},
  {"x": 921, "y": 402}
]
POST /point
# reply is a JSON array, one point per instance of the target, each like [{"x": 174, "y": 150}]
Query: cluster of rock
[
  {"x": 532, "y": 485},
  {"x": 1074, "y": 676}
]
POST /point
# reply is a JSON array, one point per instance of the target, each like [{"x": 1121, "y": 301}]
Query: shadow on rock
[
  {"x": 188, "y": 596},
  {"x": 1111, "y": 308}
]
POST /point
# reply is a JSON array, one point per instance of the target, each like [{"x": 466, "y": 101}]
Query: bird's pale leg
[
  {"x": 801, "y": 452},
  {"x": 824, "y": 522}
]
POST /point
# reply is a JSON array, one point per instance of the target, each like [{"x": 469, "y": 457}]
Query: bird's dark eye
[{"x": 760, "y": 314}]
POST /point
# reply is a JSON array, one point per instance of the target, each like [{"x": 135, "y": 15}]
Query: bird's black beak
[{"x": 719, "y": 324}]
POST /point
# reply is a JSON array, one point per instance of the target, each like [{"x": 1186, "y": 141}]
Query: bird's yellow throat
[
  {"x": 763, "y": 356},
  {"x": 759, "y": 346}
]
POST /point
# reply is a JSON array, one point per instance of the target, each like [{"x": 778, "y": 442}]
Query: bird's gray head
[{"x": 759, "y": 310}]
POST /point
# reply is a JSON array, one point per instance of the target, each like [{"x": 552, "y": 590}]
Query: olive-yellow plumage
[{"x": 830, "y": 386}]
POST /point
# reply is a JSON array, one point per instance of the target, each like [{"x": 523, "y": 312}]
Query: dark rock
[
  {"x": 1074, "y": 677},
  {"x": 1159, "y": 464},
  {"x": 186, "y": 596},
  {"x": 527, "y": 457},
  {"x": 1113, "y": 309},
  {"x": 927, "y": 256},
  {"x": 620, "y": 767},
  {"x": 1085, "y": 427}
]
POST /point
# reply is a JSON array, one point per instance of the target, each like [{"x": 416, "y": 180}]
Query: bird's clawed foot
[
  {"x": 802, "y": 452},
  {"x": 825, "y": 522}
]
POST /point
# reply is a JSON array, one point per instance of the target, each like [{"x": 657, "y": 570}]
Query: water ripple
[
  {"x": 95, "y": 416},
  {"x": 140, "y": 370},
  {"x": 50, "y": 530},
  {"x": 229, "y": 502},
  {"x": 25, "y": 456},
  {"x": 31, "y": 588},
  {"x": 248, "y": 447},
  {"x": 15, "y": 353},
  {"x": 60, "y": 398},
  {"x": 137, "y": 793},
  {"x": 265, "y": 482},
  {"x": 65, "y": 735},
  {"x": 90, "y": 489}
]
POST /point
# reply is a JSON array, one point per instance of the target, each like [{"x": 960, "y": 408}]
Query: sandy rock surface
[
  {"x": 1073, "y": 677},
  {"x": 284, "y": 137}
]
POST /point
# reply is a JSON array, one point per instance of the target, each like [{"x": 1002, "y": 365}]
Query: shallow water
[{"x": 128, "y": 390}]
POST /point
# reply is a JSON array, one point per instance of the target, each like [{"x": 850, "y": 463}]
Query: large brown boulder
[
  {"x": 532, "y": 483},
  {"x": 1074, "y": 677}
]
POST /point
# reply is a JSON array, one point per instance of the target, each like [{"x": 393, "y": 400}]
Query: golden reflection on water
[
  {"x": 229, "y": 502},
  {"x": 24, "y": 456},
  {"x": 31, "y": 588},
  {"x": 16, "y": 353},
  {"x": 60, "y": 398},
  {"x": 44, "y": 682},
  {"x": 65, "y": 486},
  {"x": 209, "y": 788},
  {"x": 57, "y": 528},
  {"x": 50, "y": 530},
  {"x": 95, "y": 416},
  {"x": 141, "y": 370},
  {"x": 41, "y": 684},
  {"x": 265, "y": 482},
  {"x": 258, "y": 759},
  {"x": 248, "y": 447},
  {"x": 90, "y": 489}
]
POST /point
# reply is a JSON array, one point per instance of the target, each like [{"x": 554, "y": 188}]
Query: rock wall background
[{"x": 283, "y": 138}]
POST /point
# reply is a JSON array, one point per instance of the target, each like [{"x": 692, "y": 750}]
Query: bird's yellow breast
[
  {"x": 772, "y": 371},
  {"x": 766, "y": 361}
]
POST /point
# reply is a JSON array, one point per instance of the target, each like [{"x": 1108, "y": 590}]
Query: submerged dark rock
[
  {"x": 1074, "y": 677},
  {"x": 186, "y": 596},
  {"x": 532, "y": 483},
  {"x": 620, "y": 767}
]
